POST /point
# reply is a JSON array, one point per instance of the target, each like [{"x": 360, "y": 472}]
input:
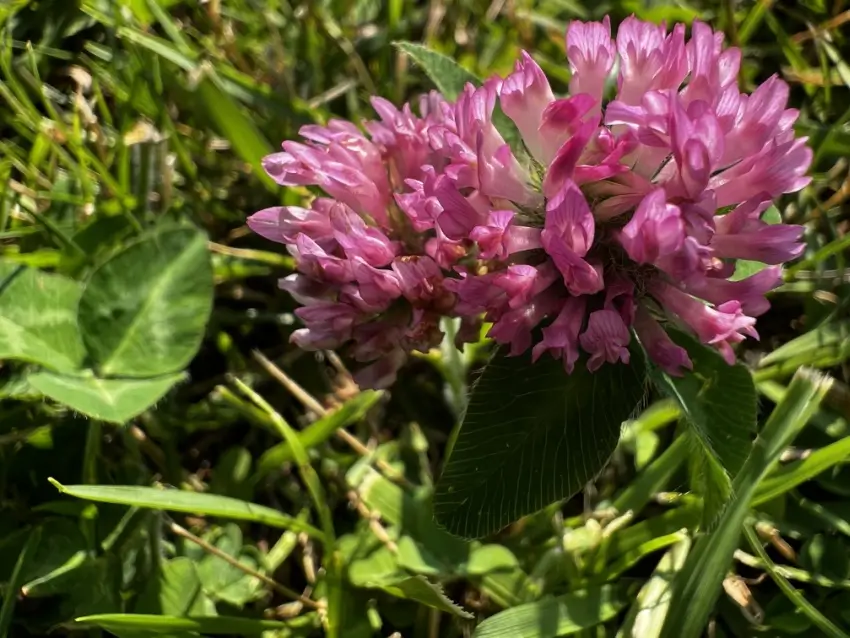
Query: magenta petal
[
  {"x": 568, "y": 217},
  {"x": 656, "y": 229},
  {"x": 605, "y": 339},
  {"x": 659, "y": 346},
  {"x": 560, "y": 338}
]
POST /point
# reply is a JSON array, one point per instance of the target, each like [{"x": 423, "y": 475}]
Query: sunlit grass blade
[
  {"x": 699, "y": 584},
  {"x": 646, "y": 616},
  {"x": 790, "y": 476},
  {"x": 317, "y": 494},
  {"x": 211, "y": 624},
  {"x": 314, "y": 434},
  {"x": 188, "y": 502}
]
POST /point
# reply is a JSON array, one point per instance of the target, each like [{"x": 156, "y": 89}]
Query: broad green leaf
[
  {"x": 350, "y": 412},
  {"x": 175, "y": 591},
  {"x": 719, "y": 403},
  {"x": 487, "y": 559},
  {"x": 411, "y": 512},
  {"x": 789, "y": 476},
  {"x": 450, "y": 78},
  {"x": 144, "y": 311},
  {"x": 718, "y": 400},
  {"x": 532, "y": 435},
  {"x": 114, "y": 400},
  {"x": 708, "y": 479},
  {"x": 220, "y": 579},
  {"x": 189, "y": 502},
  {"x": 552, "y": 617},
  {"x": 38, "y": 318},
  {"x": 416, "y": 558},
  {"x": 422, "y": 591},
  {"x": 447, "y": 75},
  {"x": 204, "y": 624},
  {"x": 646, "y": 615},
  {"x": 381, "y": 570},
  {"x": 699, "y": 584},
  {"x": 97, "y": 238}
]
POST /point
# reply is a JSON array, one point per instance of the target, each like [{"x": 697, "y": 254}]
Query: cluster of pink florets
[{"x": 615, "y": 216}]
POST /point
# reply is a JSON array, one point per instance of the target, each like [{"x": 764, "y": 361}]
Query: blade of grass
[
  {"x": 15, "y": 581},
  {"x": 790, "y": 476},
  {"x": 653, "y": 478},
  {"x": 314, "y": 434},
  {"x": 234, "y": 124},
  {"x": 211, "y": 624},
  {"x": 803, "y": 605},
  {"x": 320, "y": 502},
  {"x": 698, "y": 586},
  {"x": 187, "y": 502},
  {"x": 753, "y": 20},
  {"x": 646, "y": 615}
]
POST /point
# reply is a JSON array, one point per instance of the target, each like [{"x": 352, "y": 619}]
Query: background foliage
[{"x": 170, "y": 466}]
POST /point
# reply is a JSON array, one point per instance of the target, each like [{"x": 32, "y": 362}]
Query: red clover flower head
[{"x": 613, "y": 216}]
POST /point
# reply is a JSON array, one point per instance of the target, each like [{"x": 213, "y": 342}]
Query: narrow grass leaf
[
  {"x": 204, "y": 624},
  {"x": 653, "y": 479},
  {"x": 188, "y": 502},
  {"x": 646, "y": 616},
  {"x": 159, "y": 46},
  {"x": 532, "y": 435},
  {"x": 799, "y": 601},
  {"x": 625, "y": 542},
  {"x": 753, "y": 20},
  {"x": 829, "y": 340},
  {"x": 13, "y": 586},
  {"x": 317, "y": 494},
  {"x": 633, "y": 556},
  {"x": 699, "y": 584},
  {"x": 316, "y": 433},
  {"x": 789, "y": 476},
  {"x": 561, "y": 616},
  {"x": 235, "y": 125}
]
